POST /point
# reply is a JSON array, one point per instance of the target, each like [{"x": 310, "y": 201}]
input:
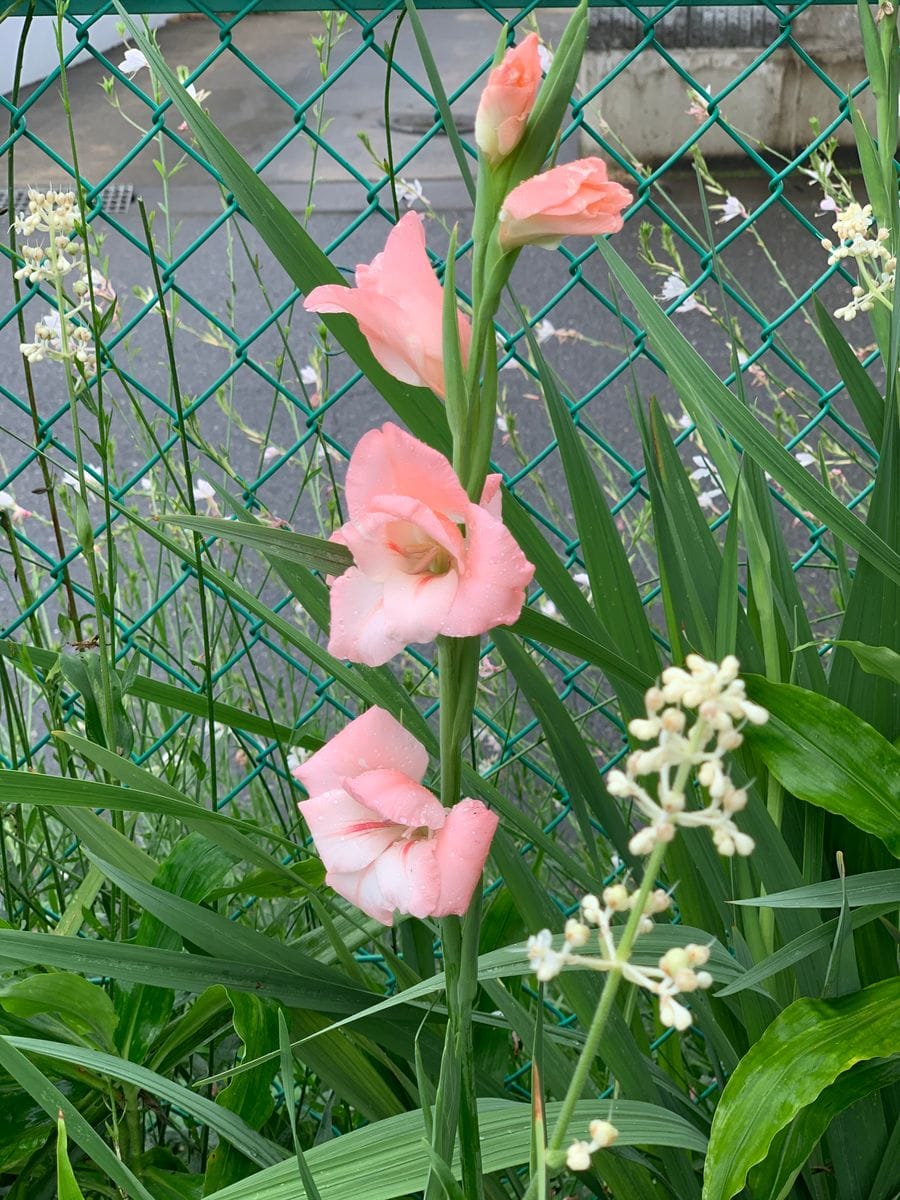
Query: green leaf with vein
[
  {"x": 613, "y": 587},
  {"x": 395, "y": 1164},
  {"x": 805, "y": 1049},
  {"x": 513, "y": 962},
  {"x": 872, "y": 887},
  {"x": 865, "y": 396},
  {"x": 704, "y": 395},
  {"x": 824, "y": 754},
  {"x": 316, "y": 553},
  {"x": 179, "y": 970},
  {"x": 874, "y": 660},
  {"x": 793, "y": 1145}
]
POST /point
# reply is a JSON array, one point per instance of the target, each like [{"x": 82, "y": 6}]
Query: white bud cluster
[
  {"x": 59, "y": 256},
  {"x": 876, "y": 265},
  {"x": 676, "y": 971},
  {"x": 578, "y": 1156},
  {"x": 718, "y": 698}
]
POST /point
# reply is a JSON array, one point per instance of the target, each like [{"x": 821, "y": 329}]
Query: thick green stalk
[{"x": 455, "y": 1104}]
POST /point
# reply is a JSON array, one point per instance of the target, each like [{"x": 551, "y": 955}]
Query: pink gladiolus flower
[
  {"x": 575, "y": 198},
  {"x": 387, "y": 844},
  {"x": 398, "y": 303},
  {"x": 415, "y": 574},
  {"x": 508, "y": 99}
]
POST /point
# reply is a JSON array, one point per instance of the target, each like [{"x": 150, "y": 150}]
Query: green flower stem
[
  {"x": 604, "y": 1008},
  {"x": 455, "y": 1104}
]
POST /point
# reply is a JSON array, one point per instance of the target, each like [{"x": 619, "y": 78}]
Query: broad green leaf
[
  {"x": 316, "y": 553},
  {"x": 391, "y": 1155},
  {"x": 233, "y": 940},
  {"x": 223, "y": 1122},
  {"x": 248, "y": 1095},
  {"x": 702, "y": 393},
  {"x": 181, "y": 971},
  {"x": 873, "y": 887},
  {"x": 191, "y": 870},
  {"x": 824, "y": 754},
  {"x": 805, "y": 1049},
  {"x": 66, "y": 1184},
  {"x": 53, "y": 1102},
  {"x": 792, "y": 1147},
  {"x": 84, "y": 1008},
  {"x": 865, "y": 396},
  {"x": 874, "y": 660}
]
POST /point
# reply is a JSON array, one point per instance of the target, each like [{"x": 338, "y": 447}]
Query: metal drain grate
[{"x": 114, "y": 199}]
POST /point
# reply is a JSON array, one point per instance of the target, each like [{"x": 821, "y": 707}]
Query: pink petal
[
  {"x": 403, "y": 879},
  {"x": 395, "y": 797},
  {"x": 348, "y": 836},
  {"x": 372, "y": 742},
  {"x": 358, "y": 630},
  {"x": 461, "y": 851},
  {"x": 389, "y": 462},
  {"x": 491, "y": 496},
  {"x": 492, "y": 583},
  {"x": 416, "y": 607}
]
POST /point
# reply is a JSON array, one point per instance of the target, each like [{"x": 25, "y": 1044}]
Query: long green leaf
[
  {"x": 797, "y": 951},
  {"x": 865, "y": 396},
  {"x": 168, "y": 695},
  {"x": 802, "y": 1053},
  {"x": 223, "y": 1122},
  {"x": 872, "y": 887},
  {"x": 824, "y": 754},
  {"x": 702, "y": 392},
  {"x": 316, "y": 553},
  {"x": 391, "y": 1152},
  {"x": 53, "y": 1102}
]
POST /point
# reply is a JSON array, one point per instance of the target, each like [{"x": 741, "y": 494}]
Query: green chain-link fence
[{"x": 271, "y": 414}]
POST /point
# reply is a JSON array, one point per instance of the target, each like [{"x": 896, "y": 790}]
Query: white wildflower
[
  {"x": 133, "y": 62},
  {"x": 410, "y": 192},
  {"x": 732, "y": 210},
  {"x": 673, "y": 287}
]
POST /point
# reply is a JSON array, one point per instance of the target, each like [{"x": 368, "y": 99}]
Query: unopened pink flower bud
[{"x": 507, "y": 100}]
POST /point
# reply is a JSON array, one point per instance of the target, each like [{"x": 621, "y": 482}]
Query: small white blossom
[
  {"x": 16, "y": 513},
  {"x": 673, "y": 287},
  {"x": 133, "y": 62},
  {"x": 410, "y": 192},
  {"x": 732, "y": 210},
  {"x": 545, "y": 57},
  {"x": 544, "y": 330}
]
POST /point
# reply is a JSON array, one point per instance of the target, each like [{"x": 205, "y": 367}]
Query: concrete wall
[
  {"x": 40, "y": 51},
  {"x": 646, "y": 107}
]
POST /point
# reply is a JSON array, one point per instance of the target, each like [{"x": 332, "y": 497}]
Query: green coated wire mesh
[{"x": 725, "y": 228}]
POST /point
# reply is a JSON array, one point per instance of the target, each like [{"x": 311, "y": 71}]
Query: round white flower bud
[
  {"x": 578, "y": 1157},
  {"x": 602, "y": 1133}
]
